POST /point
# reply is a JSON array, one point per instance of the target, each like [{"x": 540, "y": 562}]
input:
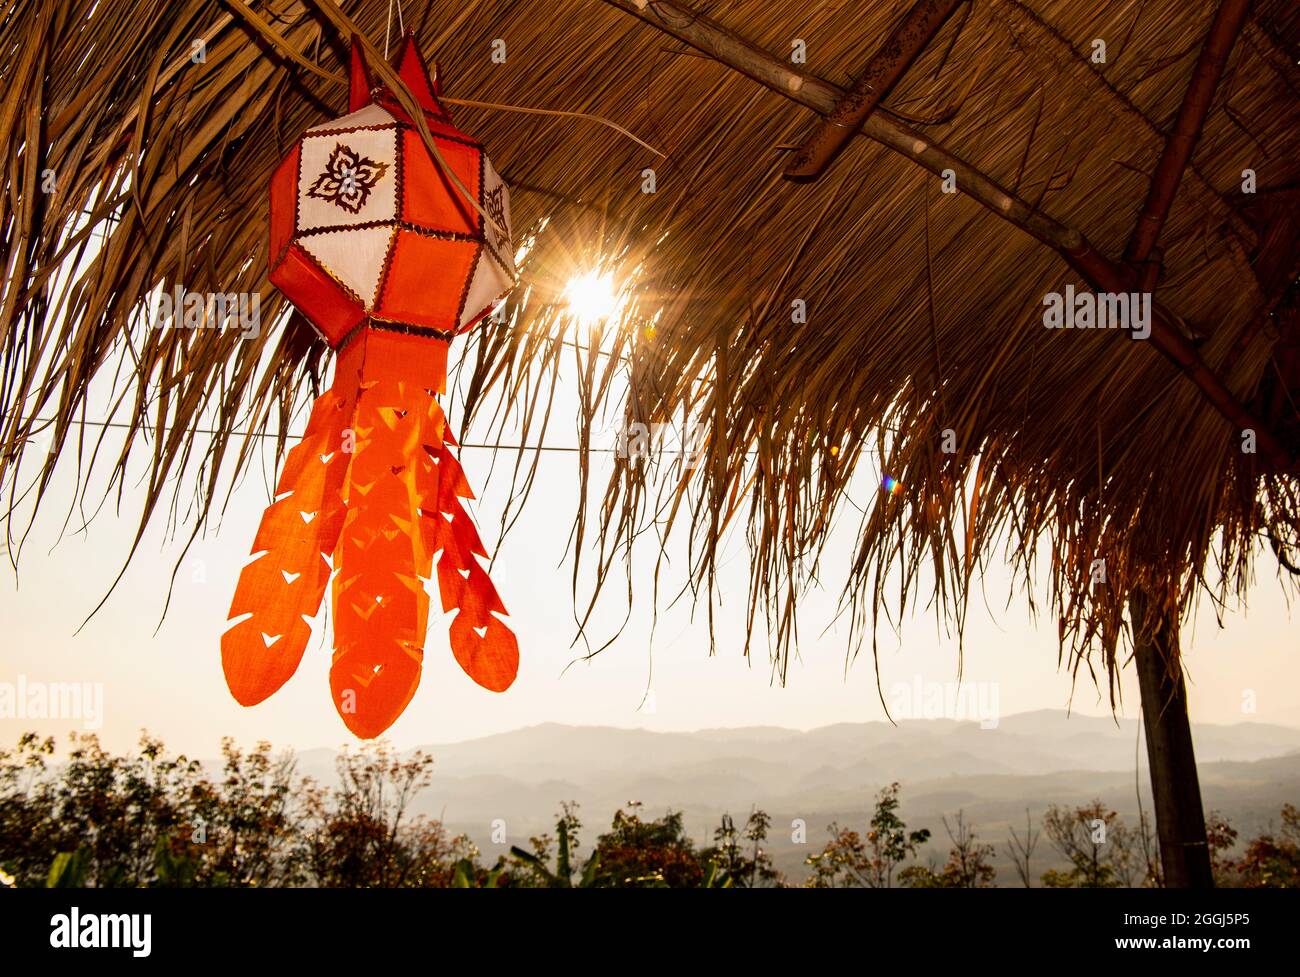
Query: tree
[
  {"x": 359, "y": 834},
  {"x": 1272, "y": 861},
  {"x": 111, "y": 811},
  {"x": 26, "y": 812},
  {"x": 1102, "y": 852},
  {"x": 889, "y": 840},
  {"x": 1221, "y": 838},
  {"x": 146, "y": 819},
  {"x": 1021, "y": 850},
  {"x": 533, "y": 865},
  {"x": 739, "y": 853},
  {"x": 842, "y": 863},
  {"x": 635, "y": 852},
  {"x": 242, "y": 830},
  {"x": 849, "y": 860},
  {"x": 968, "y": 865}
]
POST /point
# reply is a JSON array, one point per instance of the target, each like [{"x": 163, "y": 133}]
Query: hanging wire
[
  {"x": 388, "y": 29},
  {"x": 293, "y": 437}
]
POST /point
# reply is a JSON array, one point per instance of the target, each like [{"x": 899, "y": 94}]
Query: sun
[{"x": 591, "y": 297}]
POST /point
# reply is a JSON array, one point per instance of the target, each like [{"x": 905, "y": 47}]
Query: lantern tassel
[
  {"x": 374, "y": 482},
  {"x": 483, "y": 645},
  {"x": 381, "y": 609},
  {"x": 281, "y": 589}
]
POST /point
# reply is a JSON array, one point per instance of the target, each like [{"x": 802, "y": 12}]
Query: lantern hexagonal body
[{"x": 367, "y": 227}]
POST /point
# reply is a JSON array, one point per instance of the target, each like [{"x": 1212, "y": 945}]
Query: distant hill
[{"x": 1030, "y": 761}]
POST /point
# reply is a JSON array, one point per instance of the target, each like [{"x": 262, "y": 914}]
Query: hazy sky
[{"x": 171, "y": 683}]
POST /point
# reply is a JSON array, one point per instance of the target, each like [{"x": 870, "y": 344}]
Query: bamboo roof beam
[
  {"x": 905, "y": 42},
  {"x": 1219, "y": 41},
  {"x": 720, "y": 43},
  {"x": 1032, "y": 33}
]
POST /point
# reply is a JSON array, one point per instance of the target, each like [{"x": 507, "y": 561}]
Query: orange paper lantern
[{"x": 384, "y": 255}]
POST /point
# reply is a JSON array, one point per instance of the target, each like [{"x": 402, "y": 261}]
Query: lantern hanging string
[{"x": 388, "y": 28}]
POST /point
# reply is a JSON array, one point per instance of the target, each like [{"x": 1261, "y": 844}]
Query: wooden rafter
[
  {"x": 905, "y": 42},
  {"x": 728, "y": 48},
  {"x": 1076, "y": 70},
  {"x": 1198, "y": 98}
]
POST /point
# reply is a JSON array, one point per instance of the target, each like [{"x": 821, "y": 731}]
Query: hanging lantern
[{"x": 385, "y": 255}]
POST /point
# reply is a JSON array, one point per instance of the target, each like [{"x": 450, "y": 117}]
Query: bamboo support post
[{"x": 1175, "y": 785}]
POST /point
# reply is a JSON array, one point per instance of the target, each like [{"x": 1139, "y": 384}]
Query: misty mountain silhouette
[{"x": 1032, "y": 760}]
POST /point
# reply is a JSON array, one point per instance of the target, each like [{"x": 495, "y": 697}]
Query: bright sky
[{"x": 171, "y": 682}]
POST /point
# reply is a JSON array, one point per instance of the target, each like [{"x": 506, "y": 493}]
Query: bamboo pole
[
  {"x": 1175, "y": 786},
  {"x": 1030, "y": 32},
  {"x": 907, "y": 40},
  {"x": 1198, "y": 98},
  {"x": 711, "y": 38}
]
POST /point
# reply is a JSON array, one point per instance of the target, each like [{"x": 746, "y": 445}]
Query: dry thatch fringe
[
  {"x": 165, "y": 168},
  {"x": 922, "y": 308},
  {"x": 1078, "y": 492}
]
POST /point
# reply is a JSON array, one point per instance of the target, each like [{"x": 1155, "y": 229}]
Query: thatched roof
[{"x": 923, "y": 308}]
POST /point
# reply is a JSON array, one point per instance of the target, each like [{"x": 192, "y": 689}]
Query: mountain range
[{"x": 832, "y": 774}]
